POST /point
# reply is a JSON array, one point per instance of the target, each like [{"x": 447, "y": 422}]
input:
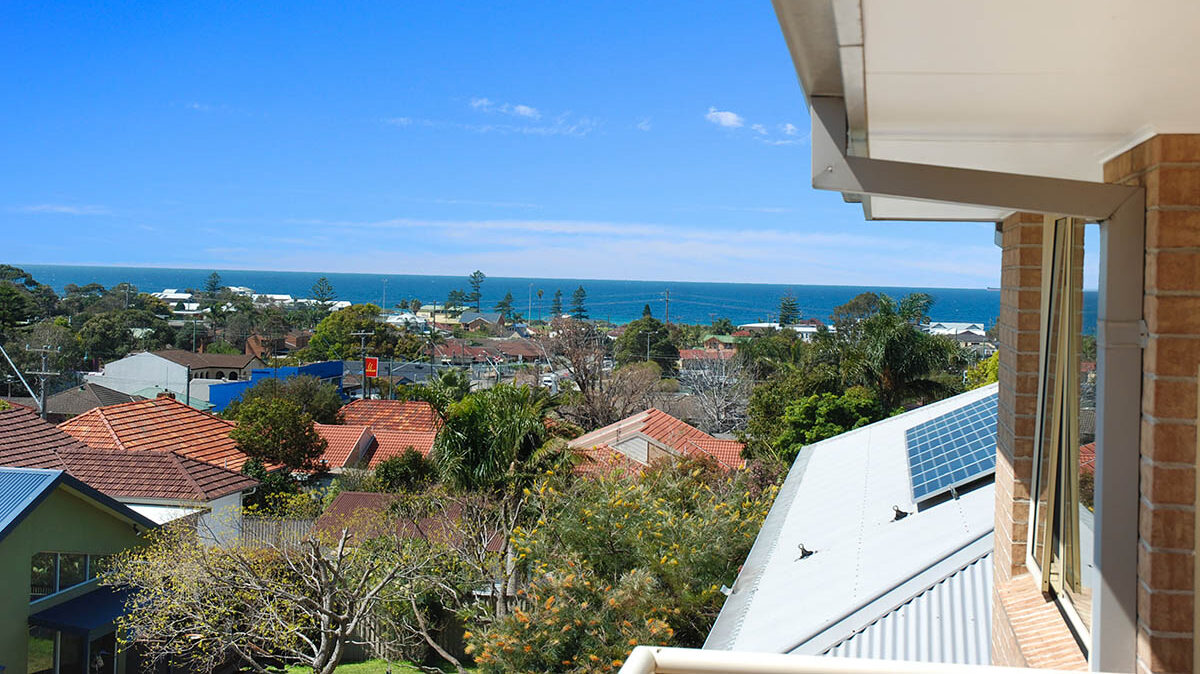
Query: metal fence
[{"x": 274, "y": 531}]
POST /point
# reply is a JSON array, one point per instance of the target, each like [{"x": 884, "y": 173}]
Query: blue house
[{"x": 221, "y": 395}]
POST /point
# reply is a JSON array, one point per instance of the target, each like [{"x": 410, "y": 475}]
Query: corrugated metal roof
[
  {"x": 21, "y": 488},
  {"x": 838, "y": 501},
  {"x": 949, "y": 622}
]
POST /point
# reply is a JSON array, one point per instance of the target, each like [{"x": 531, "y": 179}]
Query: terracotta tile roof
[
  {"x": 206, "y": 360},
  {"x": 26, "y": 441},
  {"x": 341, "y": 442},
  {"x": 153, "y": 475},
  {"x": 29, "y": 442},
  {"x": 393, "y": 443},
  {"x": 361, "y": 512},
  {"x": 394, "y": 415},
  {"x": 1087, "y": 458},
  {"x": 161, "y": 424},
  {"x": 665, "y": 430},
  {"x": 604, "y": 460},
  {"x": 707, "y": 354}
]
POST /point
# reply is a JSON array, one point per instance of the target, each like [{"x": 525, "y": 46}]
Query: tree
[
  {"x": 556, "y": 305},
  {"x": 822, "y": 416},
  {"x": 333, "y": 338},
  {"x": 194, "y": 605},
  {"x": 409, "y": 471},
  {"x": 114, "y": 334},
  {"x": 647, "y": 339},
  {"x": 898, "y": 359},
  {"x": 617, "y": 561},
  {"x": 505, "y": 307},
  {"x": 278, "y": 430},
  {"x": 271, "y": 485},
  {"x": 494, "y": 442},
  {"x": 212, "y": 285},
  {"x": 986, "y": 371},
  {"x": 578, "y": 304},
  {"x": 720, "y": 388},
  {"x": 456, "y": 300},
  {"x": 317, "y": 398},
  {"x": 475, "y": 280},
  {"x": 599, "y": 398},
  {"x": 722, "y": 326},
  {"x": 324, "y": 296},
  {"x": 15, "y": 308},
  {"x": 789, "y": 311}
]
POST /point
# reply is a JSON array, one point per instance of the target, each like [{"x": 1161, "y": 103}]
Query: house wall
[
  {"x": 635, "y": 448},
  {"x": 140, "y": 370},
  {"x": 1168, "y": 167},
  {"x": 63, "y": 522},
  {"x": 222, "y": 525}
]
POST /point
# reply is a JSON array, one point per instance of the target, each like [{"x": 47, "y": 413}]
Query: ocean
[{"x": 615, "y": 300}]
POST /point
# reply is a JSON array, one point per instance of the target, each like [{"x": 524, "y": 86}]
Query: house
[
  {"x": 376, "y": 430},
  {"x": 79, "y": 399},
  {"x": 652, "y": 435},
  {"x": 697, "y": 358},
  {"x": 475, "y": 320},
  {"x": 160, "y": 485},
  {"x": 56, "y": 533},
  {"x": 951, "y": 328},
  {"x": 720, "y": 342},
  {"x": 991, "y": 113},
  {"x": 394, "y": 415},
  {"x": 876, "y": 545},
  {"x": 186, "y": 374},
  {"x": 173, "y": 296},
  {"x": 159, "y": 425}
]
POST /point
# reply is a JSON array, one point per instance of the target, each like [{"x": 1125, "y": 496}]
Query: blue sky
[{"x": 662, "y": 141}]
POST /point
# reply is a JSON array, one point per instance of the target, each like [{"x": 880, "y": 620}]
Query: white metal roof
[
  {"x": 838, "y": 501},
  {"x": 1023, "y": 86}
]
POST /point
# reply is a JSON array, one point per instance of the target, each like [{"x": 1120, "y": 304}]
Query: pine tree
[
  {"x": 646, "y": 312},
  {"x": 789, "y": 311},
  {"x": 578, "y": 306},
  {"x": 556, "y": 308},
  {"x": 475, "y": 280},
  {"x": 323, "y": 293},
  {"x": 505, "y": 307},
  {"x": 212, "y": 285}
]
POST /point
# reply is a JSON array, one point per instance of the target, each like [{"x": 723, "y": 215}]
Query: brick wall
[
  {"x": 1027, "y": 628},
  {"x": 1168, "y": 167}
]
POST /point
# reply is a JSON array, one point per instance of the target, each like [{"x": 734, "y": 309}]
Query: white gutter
[{"x": 662, "y": 660}]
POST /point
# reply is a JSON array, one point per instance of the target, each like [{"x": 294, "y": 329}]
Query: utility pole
[
  {"x": 647, "y": 347},
  {"x": 384, "y": 296},
  {"x": 667, "y": 311},
  {"x": 19, "y": 375},
  {"x": 193, "y": 334},
  {"x": 364, "y": 336},
  {"x": 45, "y": 351},
  {"x": 529, "y": 314}
]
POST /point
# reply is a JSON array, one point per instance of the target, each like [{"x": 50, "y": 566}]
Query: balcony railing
[{"x": 659, "y": 660}]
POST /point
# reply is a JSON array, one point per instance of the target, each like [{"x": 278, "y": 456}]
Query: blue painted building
[{"x": 221, "y": 395}]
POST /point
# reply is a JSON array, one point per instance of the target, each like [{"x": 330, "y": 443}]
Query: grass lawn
[{"x": 368, "y": 667}]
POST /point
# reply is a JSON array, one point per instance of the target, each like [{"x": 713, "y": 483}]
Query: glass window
[
  {"x": 71, "y": 650},
  {"x": 72, "y": 570},
  {"x": 98, "y": 564},
  {"x": 44, "y": 577},
  {"x": 1064, "y": 460}
]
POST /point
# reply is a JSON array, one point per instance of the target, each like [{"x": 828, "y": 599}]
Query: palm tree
[
  {"x": 495, "y": 441},
  {"x": 897, "y": 358}
]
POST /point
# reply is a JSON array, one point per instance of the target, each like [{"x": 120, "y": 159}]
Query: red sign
[{"x": 371, "y": 365}]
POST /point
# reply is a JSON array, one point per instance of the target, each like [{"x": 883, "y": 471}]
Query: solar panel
[{"x": 953, "y": 449}]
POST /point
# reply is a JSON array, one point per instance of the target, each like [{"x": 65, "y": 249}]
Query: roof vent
[
  {"x": 805, "y": 553},
  {"x": 898, "y": 514}
]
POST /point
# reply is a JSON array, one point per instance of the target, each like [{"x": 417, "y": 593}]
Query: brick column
[
  {"x": 1018, "y": 331},
  {"x": 1168, "y": 167}
]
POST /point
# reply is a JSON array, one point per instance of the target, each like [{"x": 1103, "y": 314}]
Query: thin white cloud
[
  {"x": 644, "y": 124},
  {"x": 725, "y": 118},
  {"x": 63, "y": 209},
  {"x": 561, "y": 125},
  {"x": 789, "y": 129},
  {"x": 481, "y": 103},
  {"x": 759, "y": 128},
  {"x": 511, "y": 109},
  {"x": 522, "y": 111},
  {"x": 399, "y": 121}
]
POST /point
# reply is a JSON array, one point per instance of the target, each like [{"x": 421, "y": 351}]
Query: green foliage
[
  {"x": 333, "y": 339},
  {"x": 316, "y": 398},
  {"x": 644, "y": 337},
  {"x": 505, "y": 307},
  {"x": 278, "y": 430},
  {"x": 825, "y": 415},
  {"x": 221, "y": 346},
  {"x": 765, "y": 413},
  {"x": 986, "y": 371},
  {"x": 619, "y": 561},
  {"x": 789, "y": 310},
  {"x": 212, "y": 285},
  {"x": 722, "y": 326},
  {"x": 1087, "y": 348},
  {"x": 410, "y": 471},
  {"x": 578, "y": 304},
  {"x": 556, "y": 305},
  {"x": 494, "y": 440},
  {"x": 16, "y": 308},
  {"x": 114, "y": 334},
  {"x": 5, "y": 405},
  {"x": 448, "y": 387},
  {"x": 273, "y": 489},
  {"x": 475, "y": 280}
]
